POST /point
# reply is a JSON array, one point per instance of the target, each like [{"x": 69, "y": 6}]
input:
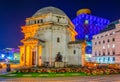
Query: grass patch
[{"x": 43, "y": 74}]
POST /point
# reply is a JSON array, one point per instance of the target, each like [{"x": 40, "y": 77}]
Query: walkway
[{"x": 109, "y": 78}]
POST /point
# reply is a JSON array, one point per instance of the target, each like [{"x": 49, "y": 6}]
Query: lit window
[
  {"x": 113, "y": 32},
  {"x": 103, "y": 47},
  {"x": 108, "y": 59},
  {"x": 113, "y": 58},
  {"x": 108, "y": 46},
  {"x": 86, "y": 21},
  {"x": 113, "y": 46}
]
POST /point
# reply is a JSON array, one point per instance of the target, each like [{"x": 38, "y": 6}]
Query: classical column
[
  {"x": 25, "y": 56},
  {"x": 36, "y": 56}
]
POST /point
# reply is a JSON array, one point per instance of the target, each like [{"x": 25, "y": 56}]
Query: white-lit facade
[{"x": 106, "y": 45}]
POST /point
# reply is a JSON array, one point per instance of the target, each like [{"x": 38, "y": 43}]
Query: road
[{"x": 109, "y": 78}]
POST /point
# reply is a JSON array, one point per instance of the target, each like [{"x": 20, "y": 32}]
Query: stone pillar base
[{"x": 59, "y": 64}]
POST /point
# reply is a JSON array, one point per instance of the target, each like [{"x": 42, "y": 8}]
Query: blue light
[{"x": 86, "y": 29}]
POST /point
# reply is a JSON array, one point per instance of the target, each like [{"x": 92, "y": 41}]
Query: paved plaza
[{"x": 109, "y": 78}]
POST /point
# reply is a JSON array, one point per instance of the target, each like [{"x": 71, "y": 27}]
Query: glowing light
[
  {"x": 108, "y": 46},
  {"x": 113, "y": 46},
  {"x": 3, "y": 55},
  {"x": 103, "y": 47}
]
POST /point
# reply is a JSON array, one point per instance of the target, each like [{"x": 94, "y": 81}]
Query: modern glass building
[{"x": 87, "y": 25}]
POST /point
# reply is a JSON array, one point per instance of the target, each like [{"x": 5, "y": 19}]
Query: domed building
[{"x": 47, "y": 33}]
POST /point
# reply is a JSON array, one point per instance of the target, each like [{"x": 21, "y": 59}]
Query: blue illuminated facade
[{"x": 86, "y": 26}]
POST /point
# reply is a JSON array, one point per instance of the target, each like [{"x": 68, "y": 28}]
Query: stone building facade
[{"x": 49, "y": 32}]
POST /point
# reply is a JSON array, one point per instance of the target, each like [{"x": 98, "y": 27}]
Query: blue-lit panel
[{"x": 88, "y": 25}]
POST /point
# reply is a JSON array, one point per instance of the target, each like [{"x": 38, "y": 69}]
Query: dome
[
  {"x": 85, "y": 11},
  {"x": 47, "y": 10}
]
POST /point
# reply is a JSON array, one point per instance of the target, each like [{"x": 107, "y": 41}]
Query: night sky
[{"x": 14, "y": 12}]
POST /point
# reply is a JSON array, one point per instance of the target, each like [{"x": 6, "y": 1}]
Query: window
[
  {"x": 113, "y": 52},
  {"x": 58, "y": 20},
  {"x": 95, "y": 54},
  {"x": 113, "y": 39},
  {"x": 108, "y": 59},
  {"x": 111, "y": 33},
  {"x": 108, "y": 53},
  {"x": 103, "y": 47},
  {"x": 103, "y": 59},
  {"x": 113, "y": 46},
  {"x": 58, "y": 39},
  {"x": 38, "y": 21},
  {"x": 74, "y": 51},
  {"x": 95, "y": 43},
  {"x": 41, "y": 20},
  {"x": 113, "y": 58},
  {"x": 103, "y": 53},
  {"x": 103, "y": 41},
  {"x": 99, "y": 42},
  {"x": 108, "y": 40},
  {"x": 34, "y": 22},
  {"x": 101, "y": 36},
  {"x": 108, "y": 46},
  {"x": 99, "y": 54}
]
